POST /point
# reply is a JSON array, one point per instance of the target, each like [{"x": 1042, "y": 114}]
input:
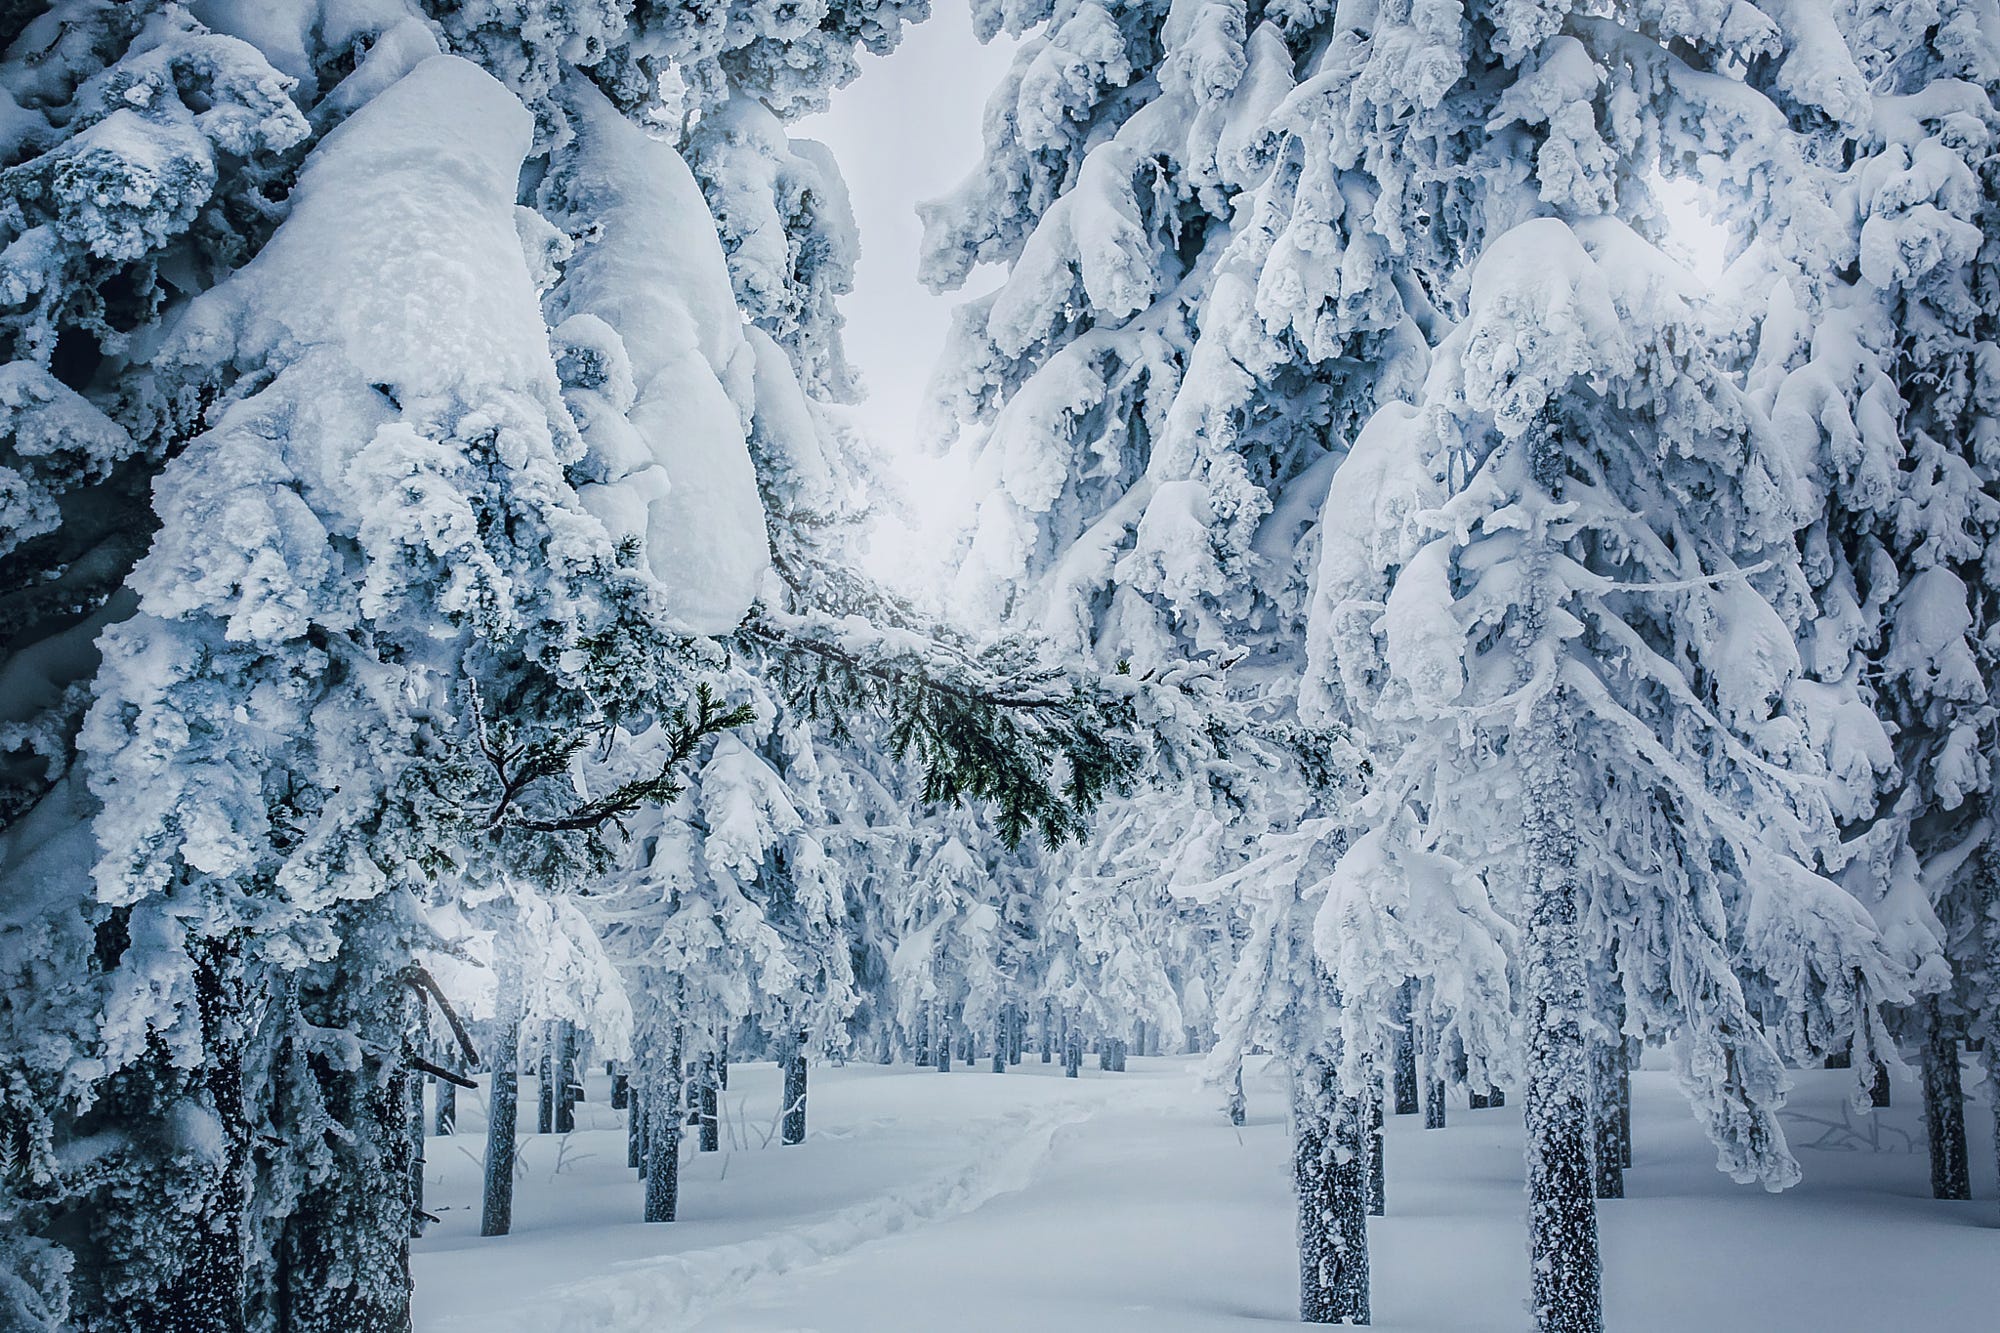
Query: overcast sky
[{"x": 905, "y": 131}]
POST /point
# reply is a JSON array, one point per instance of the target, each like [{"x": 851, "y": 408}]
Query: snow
[{"x": 1121, "y": 1203}]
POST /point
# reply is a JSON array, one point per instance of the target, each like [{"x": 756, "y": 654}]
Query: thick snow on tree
[
  {"x": 1871, "y": 363},
  {"x": 1666, "y": 638}
]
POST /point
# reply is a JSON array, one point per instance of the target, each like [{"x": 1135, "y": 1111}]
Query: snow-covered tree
[{"x": 1869, "y": 354}]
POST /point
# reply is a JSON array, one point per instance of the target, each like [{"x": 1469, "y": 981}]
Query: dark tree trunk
[
  {"x": 1403, "y": 1060},
  {"x": 1944, "y": 1107},
  {"x": 711, "y": 1106},
  {"x": 1562, "y": 1212},
  {"x": 545, "y": 1080},
  {"x": 923, "y": 1037},
  {"x": 417, "y": 1155},
  {"x": 1017, "y": 1032},
  {"x": 1378, "y": 1158},
  {"x": 941, "y": 1048},
  {"x": 795, "y": 1091},
  {"x": 1434, "y": 1084},
  {"x": 1048, "y": 1032},
  {"x": 1878, "y": 1090},
  {"x": 1329, "y": 1174},
  {"x": 1238, "y": 1108},
  {"x": 1608, "y": 1179},
  {"x": 662, "y": 1103},
  {"x": 1627, "y": 1053},
  {"x": 635, "y": 1127},
  {"x": 1072, "y": 1050},
  {"x": 1104, "y": 1055},
  {"x": 169, "y": 1248},
  {"x": 1496, "y": 1098},
  {"x": 1000, "y": 1044},
  {"x": 502, "y": 1113},
  {"x": 345, "y": 1247},
  {"x": 722, "y": 1060},
  {"x": 663, "y": 1133},
  {"x": 447, "y": 1109},
  {"x": 566, "y": 1078},
  {"x": 621, "y": 1090}
]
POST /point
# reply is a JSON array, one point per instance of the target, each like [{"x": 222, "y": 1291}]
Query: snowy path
[{"x": 1114, "y": 1203}]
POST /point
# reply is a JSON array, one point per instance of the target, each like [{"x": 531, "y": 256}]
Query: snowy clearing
[{"x": 1125, "y": 1202}]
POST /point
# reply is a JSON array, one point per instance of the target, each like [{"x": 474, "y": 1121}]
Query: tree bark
[
  {"x": 662, "y": 1102},
  {"x": 1627, "y": 1052},
  {"x": 1562, "y": 1214},
  {"x": 417, "y": 1154},
  {"x": 1237, "y": 1107},
  {"x": 635, "y": 1127},
  {"x": 447, "y": 1109},
  {"x": 503, "y": 1109},
  {"x": 1378, "y": 1160},
  {"x": 566, "y": 1078},
  {"x": 545, "y": 1082},
  {"x": 1329, "y": 1174},
  {"x": 1404, "y": 1057},
  {"x": 711, "y": 1106},
  {"x": 1434, "y": 1084},
  {"x": 795, "y": 1091},
  {"x": 1944, "y": 1107},
  {"x": 1608, "y": 1177}
]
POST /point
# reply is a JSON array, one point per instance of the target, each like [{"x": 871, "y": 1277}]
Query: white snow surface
[{"x": 1125, "y": 1202}]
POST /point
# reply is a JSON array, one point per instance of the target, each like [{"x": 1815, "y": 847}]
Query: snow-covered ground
[{"x": 969, "y": 1201}]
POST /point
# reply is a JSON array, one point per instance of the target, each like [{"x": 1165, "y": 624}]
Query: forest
[{"x": 1412, "y": 674}]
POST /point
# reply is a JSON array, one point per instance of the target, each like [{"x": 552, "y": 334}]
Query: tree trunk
[
  {"x": 1562, "y": 1214},
  {"x": 662, "y": 1102},
  {"x": 1608, "y": 1178},
  {"x": 170, "y": 1252},
  {"x": 1000, "y": 1044},
  {"x": 1048, "y": 1032},
  {"x": 417, "y": 1154},
  {"x": 923, "y": 1037},
  {"x": 345, "y": 1246},
  {"x": 545, "y": 1079},
  {"x": 635, "y": 1128},
  {"x": 503, "y": 1110},
  {"x": 711, "y": 1106},
  {"x": 1378, "y": 1159},
  {"x": 1404, "y": 1057},
  {"x": 1627, "y": 1053},
  {"x": 566, "y": 1078},
  {"x": 795, "y": 1091},
  {"x": 941, "y": 1048},
  {"x": 447, "y": 1109},
  {"x": 1944, "y": 1107},
  {"x": 1072, "y": 1051},
  {"x": 1434, "y": 1085},
  {"x": 1329, "y": 1174},
  {"x": 1237, "y": 1107},
  {"x": 621, "y": 1090}
]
